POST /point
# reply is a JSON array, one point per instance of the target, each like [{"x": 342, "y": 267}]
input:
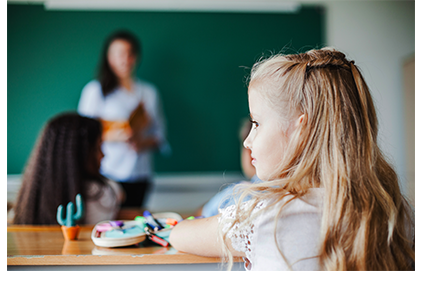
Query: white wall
[{"x": 379, "y": 36}]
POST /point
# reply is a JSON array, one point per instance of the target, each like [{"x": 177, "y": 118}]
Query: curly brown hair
[{"x": 58, "y": 168}]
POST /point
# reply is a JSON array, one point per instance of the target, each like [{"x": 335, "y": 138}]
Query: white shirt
[
  {"x": 297, "y": 234},
  {"x": 121, "y": 162}
]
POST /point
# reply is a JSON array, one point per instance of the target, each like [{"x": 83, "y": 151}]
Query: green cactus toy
[{"x": 71, "y": 216}]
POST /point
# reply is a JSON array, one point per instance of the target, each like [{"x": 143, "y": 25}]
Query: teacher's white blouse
[{"x": 121, "y": 162}]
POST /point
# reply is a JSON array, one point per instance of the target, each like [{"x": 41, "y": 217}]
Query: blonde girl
[{"x": 329, "y": 200}]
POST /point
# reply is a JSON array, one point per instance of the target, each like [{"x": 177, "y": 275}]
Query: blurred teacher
[{"x": 130, "y": 111}]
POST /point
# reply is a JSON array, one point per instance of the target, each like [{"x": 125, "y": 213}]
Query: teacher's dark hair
[
  {"x": 106, "y": 76},
  {"x": 58, "y": 168}
]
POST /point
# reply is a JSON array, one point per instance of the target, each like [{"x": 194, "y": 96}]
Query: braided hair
[
  {"x": 365, "y": 215},
  {"x": 58, "y": 168}
]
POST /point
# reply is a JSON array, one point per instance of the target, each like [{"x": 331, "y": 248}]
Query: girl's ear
[{"x": 300, "y": 120}]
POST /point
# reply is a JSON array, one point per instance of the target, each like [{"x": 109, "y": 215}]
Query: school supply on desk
[
  {"x": 128, "y": 232},
  {"x": 69, "y": 228},
  {"x": 152, "y": 222}
]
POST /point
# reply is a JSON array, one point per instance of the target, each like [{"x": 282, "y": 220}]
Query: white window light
[{"x": 275, "y": 6}]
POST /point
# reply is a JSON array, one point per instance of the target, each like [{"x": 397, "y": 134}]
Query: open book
[
  {"x": 139, "y": 118},
  {"x": 138, "y": 121}
]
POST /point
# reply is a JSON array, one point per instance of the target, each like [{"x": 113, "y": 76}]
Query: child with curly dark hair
[{"x": 66, "y": 161}]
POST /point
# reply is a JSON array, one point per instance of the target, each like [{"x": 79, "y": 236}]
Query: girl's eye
[{"x": 254, "y": 124}]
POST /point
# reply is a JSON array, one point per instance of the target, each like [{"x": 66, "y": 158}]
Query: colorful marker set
[
  {"x": 156, "y": 224},
  {"x": 153, "y": 225},
  {"x": 118, "y": 233}
]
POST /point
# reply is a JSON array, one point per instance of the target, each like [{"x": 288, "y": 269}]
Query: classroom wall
[{"x": 380, "y": 36}]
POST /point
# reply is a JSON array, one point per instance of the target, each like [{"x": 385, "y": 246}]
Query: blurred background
[{"x": 198, "y": 54}]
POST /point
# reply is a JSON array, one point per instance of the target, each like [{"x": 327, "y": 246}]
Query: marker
[
  {"x": 151, "y": 227},
  {"x": 152, "y": 221},
  {"x": 158, "y": 240},
  {"x": 155, "y": 238},
  {"x": 103, "y": 227},
  {"x": 140, "y": 219},
  {"x": 191, "y": 218},
  {"x": 171, "y": 221},
  {"x": 116, "y": 223}
]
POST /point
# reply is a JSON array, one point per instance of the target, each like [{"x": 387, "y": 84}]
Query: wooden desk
[{"x": 44, "y": 248}]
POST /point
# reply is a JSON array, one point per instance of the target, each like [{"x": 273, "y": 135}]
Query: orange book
[{"x": 138, "y": 120}]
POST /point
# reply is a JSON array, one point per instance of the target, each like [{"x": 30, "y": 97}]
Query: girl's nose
[{"x": 247, "y": 142}]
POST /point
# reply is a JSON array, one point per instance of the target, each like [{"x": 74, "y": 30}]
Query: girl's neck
[{"x": 126, "y": 83}]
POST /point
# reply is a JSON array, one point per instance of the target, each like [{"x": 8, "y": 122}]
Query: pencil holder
[
  {"x": 70, "y": 232},
  {"x": 69, "y": 228}
]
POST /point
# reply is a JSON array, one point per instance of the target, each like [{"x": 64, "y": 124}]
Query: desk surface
[{"x": 45, "y": 245}]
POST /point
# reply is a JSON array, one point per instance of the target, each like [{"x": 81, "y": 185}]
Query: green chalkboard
[{"x": 196, "y": 59}]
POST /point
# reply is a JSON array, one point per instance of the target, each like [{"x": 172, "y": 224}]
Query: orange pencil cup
[{"x": 70, "y": 232}]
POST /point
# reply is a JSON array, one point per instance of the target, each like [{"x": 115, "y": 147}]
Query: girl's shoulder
[
  {"x": 311, "y": 201},
  {"x": 93, "y": 187},
  {"x": 114, "y": 185}
]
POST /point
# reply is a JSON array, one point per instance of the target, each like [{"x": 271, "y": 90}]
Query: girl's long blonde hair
[{"x": 365, "y": 217}]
